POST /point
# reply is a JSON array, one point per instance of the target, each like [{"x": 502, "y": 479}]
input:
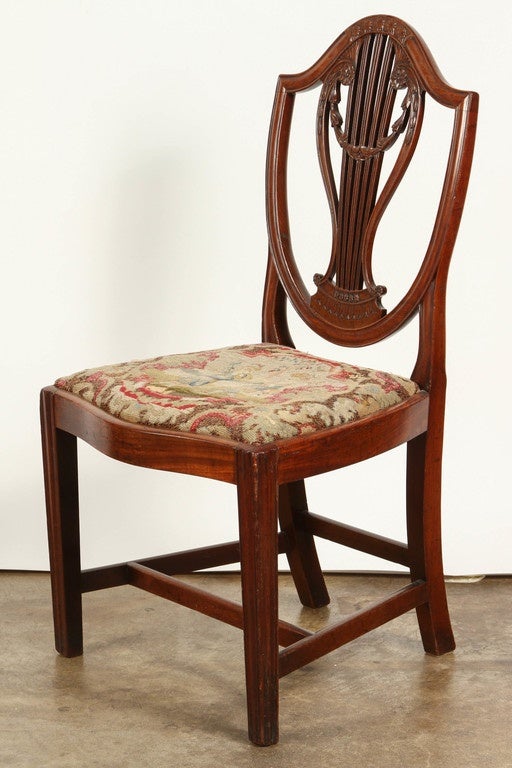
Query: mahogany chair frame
[{"x": 270, "y": 477}]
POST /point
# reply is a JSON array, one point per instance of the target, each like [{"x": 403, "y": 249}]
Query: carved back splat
[
  {"x": 364, "y": 74},
  {"x": 372, "y": 74}
]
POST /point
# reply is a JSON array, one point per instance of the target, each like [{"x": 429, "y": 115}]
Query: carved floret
[{"x": 399, "y": 77}]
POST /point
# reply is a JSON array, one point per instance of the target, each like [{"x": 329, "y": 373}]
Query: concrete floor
[{"x": 162, "y": 686}]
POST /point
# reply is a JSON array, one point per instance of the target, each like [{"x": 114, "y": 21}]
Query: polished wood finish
[
  {"x": 301, "y": 552},
  {"x": 422, "y": 76},
  {"x": 61, "y": 487},
  {"x": 355, "y": 538},
  {"x": 258, "y": 492},
  {"x": 359, "y": 77},
  {"x": 143, "y": 446},
  {"x": 304, "y": 651},
  {"x": 188, "y": 561}
]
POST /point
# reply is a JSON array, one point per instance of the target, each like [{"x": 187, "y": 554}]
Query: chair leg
[
  {"x": 302, "y": 555},
  {"x": 424, "y": 536},
  {"x": 61, "y": 486},
  {"x": 257, "y": 506}
]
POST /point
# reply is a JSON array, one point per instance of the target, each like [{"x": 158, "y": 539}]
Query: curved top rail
[{"x": 403, "y": 35}]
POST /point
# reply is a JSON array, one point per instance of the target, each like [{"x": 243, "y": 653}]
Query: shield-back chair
[{"x": 266, "y": 416}]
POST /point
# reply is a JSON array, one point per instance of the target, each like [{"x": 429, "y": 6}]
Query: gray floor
[{"x": 162, "y": 686}]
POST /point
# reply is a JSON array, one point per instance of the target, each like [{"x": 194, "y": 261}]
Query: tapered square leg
[
  {"x": 257, "y": 503},
  {"x": 61, "y": 487}
]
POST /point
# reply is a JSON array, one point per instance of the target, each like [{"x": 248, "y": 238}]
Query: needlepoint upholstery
[{"x": 252, "y": 394}]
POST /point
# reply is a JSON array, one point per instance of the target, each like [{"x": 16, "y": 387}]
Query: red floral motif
[
  {"x": 202, "y": 362},
  {"x": 251, "y": 394},
  {"x": 254, "y": 351}
]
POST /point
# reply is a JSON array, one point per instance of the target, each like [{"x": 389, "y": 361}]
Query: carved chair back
[{"x": 378, "y": 67}]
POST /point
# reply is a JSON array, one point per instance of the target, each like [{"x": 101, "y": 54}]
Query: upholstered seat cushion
[{"x": 251, "y": 394}]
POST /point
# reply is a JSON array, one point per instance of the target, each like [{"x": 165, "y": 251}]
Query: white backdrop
[{"x": 132, "y": 196}]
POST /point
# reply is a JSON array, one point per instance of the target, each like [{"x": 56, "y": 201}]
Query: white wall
[{"x": 133, "y": 146}]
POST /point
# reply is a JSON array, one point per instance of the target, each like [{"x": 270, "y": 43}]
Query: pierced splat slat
[
  {"x": 368, "y": 72},
  {"x": 359, "y": 179}
]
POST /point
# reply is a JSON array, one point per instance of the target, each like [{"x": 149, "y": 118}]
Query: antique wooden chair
[{"x": 266, "y": 416}]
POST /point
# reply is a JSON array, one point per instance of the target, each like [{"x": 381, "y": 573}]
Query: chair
[{"x": 266, "y": 416}]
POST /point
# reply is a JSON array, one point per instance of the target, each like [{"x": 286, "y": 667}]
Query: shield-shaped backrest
[{"x": 373, "y": 82}]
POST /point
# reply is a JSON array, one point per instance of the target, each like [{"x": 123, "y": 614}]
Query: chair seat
[{"x": 252, "y": 394}]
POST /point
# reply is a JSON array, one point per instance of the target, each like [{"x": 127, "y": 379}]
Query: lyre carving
[{"x": 364, "y": 83}]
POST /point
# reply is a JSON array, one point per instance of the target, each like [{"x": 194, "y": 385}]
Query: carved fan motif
[{"x": 364, "y": 84}]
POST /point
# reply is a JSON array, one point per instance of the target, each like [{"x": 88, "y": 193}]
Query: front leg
[
  {"x": 61, "y": 486},
  {"x": 257, "y": 509}
]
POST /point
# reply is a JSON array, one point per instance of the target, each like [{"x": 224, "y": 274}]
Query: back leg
[
  {"x": 424, "y": 535},
  {"x": 61, "y": 486},
  {"x": 302, "y": 554}
]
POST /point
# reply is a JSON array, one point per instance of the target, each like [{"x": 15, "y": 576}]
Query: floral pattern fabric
[{"x": 253, "y": 394}]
